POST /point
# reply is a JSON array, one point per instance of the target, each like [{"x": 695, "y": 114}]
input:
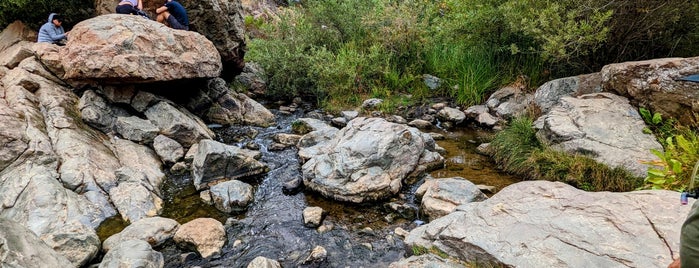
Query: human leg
[{"x": 163, "y": 16}]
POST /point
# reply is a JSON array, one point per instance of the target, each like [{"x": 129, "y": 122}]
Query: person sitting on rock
[
  {"x": 52, "y": 31},
  {"x": 174, "y": 14},
  {"x": 129, "y": 7}
]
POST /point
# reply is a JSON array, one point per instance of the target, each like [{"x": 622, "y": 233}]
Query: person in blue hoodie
[
  {"x": 52, "y": 31},
  {"x": 175, "y": 15}
]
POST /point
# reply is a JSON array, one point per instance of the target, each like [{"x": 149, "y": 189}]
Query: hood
[{"x": 51, "y": 16}]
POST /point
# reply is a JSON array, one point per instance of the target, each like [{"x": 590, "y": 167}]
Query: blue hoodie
[{"x": 49, "y": 33}]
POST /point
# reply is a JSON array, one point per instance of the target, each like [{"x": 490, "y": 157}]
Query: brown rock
[{"x": 206, "y": 234}]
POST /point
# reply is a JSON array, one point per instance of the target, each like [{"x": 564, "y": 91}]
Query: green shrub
[{"x": 34, "y": 13}]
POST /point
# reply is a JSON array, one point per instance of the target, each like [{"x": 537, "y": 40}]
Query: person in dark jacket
[
  {"x": 129, "y": 7},
  {"x": 174, "y": 14},
  {"x": 52, "y": 31}
]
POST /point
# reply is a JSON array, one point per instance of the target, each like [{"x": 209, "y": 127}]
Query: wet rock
[
  {"x": 292, "y": 186},
  {"x": 405, "y": 211},
  {"x": 318, "y": 255},
  {"x": 313, "y": 216},
  {"x": 22, "y": 248},
  {"x": 215, "y": 161},
  {"x": 373, "y": 155},
  {"x": 441, "y": 196},
  {"x": 169, "y": 150},
  {"x": 179, "y": 168},
  {"x": 207, "y": 235},
  {"x": 262, "y": 262},
  {"x": 178, "y": 124},
  {"x": 561, "y": 226},
  {"x": 452, "y": 115},
  {"x": 426, "y": 260},
  {"x": 133, "y": 49},
  {"x": 286, "y": 139},
  {"x": 155, "y": 231},
  {"x": 231, "y": 196},
  {"x": 132, "y": 253},
  {"x": 484, "y": 149},
  {"x": 136, "y": 129},
  {"x": 304, "y": 126},
  {"x": 602, "y": 126},
  {"x": 421, "y": 124},
  {"x": 252, "y": 146},
  {"x": 206, "y": 197},
  {"x": 401, "y": 232}
]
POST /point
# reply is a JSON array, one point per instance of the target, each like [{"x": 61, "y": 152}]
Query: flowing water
[{"x": 353, "y": 235}]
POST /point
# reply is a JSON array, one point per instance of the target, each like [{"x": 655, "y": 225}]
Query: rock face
[
  {"x": 602, "y": 126},
  {"x": 365, "y": 161},
  {"x": 178, "y": 124},
  {"x": 216, "y": 103},
  {"x": 548, "y": 94},
  {"x": 653, "y": 84},
  {"x": 221, "y": 21},
  {"x": 117, "y": 48},
  {"x": 551, "y": 224},
  {"x": 22, "y": 248}
]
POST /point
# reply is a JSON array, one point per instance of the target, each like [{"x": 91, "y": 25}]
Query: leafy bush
[{"x": 34, "y": 13}]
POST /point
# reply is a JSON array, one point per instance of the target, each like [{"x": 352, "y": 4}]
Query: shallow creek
[{"x": 356, "y": 235}]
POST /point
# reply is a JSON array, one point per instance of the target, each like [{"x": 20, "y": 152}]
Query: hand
[{"x": 675, "y": 264}]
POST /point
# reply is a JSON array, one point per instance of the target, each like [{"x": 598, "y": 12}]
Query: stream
[{"x": 272, "y": 226}]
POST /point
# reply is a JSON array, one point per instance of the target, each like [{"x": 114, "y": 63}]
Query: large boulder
[
  {"x": 178, "y": 124},
  {"x": 155, "y": 231},
  {"x": 206, "y": 235},
  {"x": 22, "y": 248},
  {"x": 552, "y": 224},
  {"x": 654, "y": 84},
  {"x": 548, "y": 94},
  {"x": 602, "y": 126},
  {"x": 118, "y": 48},
  {"x": 365, "y": 161},
  {"x": 133, "y": 253}
]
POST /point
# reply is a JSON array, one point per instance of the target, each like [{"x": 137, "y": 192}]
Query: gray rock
[
  {"x": 339, "y": 121},
  {"x": 12, "y": 56},
  {"x": 133, "y": 253},
  {"x": 441, "y": 196},
  {"x": 317, "y": 255},
  {"x": 475, "y": 111},
  {"x": 452, "y": 115},
  {"x": 169, "y": 150},
  {"x": 262, "y": 262},
  {"x": 215, "y": 161},
  {"x": 365, "y": 161},
  {"x": 548, "y": 94},
  {"x": 515, "y": 106},
  {"x": 421, "y": 124},
  {"x": 136, "y": 129},
  {"x": 155, "y": 231},
  {"x": 371, "y": 103},
  {"x": 396, "y": 119},
  {"x": 178, "y": 124},
  {"x": 253, "y": 78},
  {"x": 432, "y": 82},
  {"x": 134, "y": 201},
  {"x": 349, "y": 115},
  {"x": 206, "y": 235},
  {"x": 77, "y": 242},
  {"x": 561, "y": 227},
  {"x": 119, "y": 93},
  {"x": 306, "y": 125},
  {"x": 487, "y": 119},
  {"x": 143, "y": 100},
  {"x": 22, "y": 248},
  {"x": 231, "y": 196},
  {"x": 313, "y": 216},
  {"x": 602, "y": 126},
  {"x": 286, "y": 139},
  {"x": 96, "y": 112}
]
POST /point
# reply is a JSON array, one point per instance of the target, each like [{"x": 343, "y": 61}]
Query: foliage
[
  {"x": 656, "y": 124},
  {"x": 673, "y": 169},
  {"x": 34, "y": 13},
  {"x": 518, "y": 151}
]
